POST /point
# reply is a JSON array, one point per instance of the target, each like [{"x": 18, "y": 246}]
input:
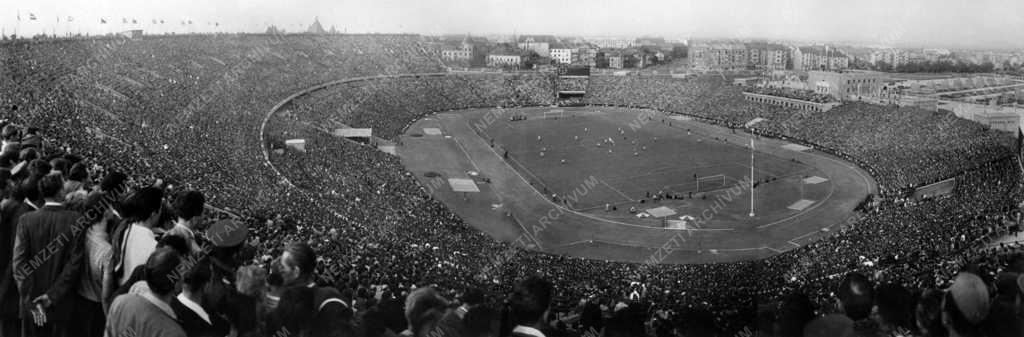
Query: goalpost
[
  {"x": 710, "y": 183},
  {"x": 554, "y": 113}
]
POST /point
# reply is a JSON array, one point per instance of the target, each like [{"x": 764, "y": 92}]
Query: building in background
[
  {"x": 769, "y": 56},
  {"x": 819, "y": 58},
  {"x": 612, "y": 43},
  {"x": 850, "y": 85},
  {"x": 463, "y": 52},
  {"x": 617, "y": 61},
  {"x": 712, "y": 55},
  {"x": 565, "y": 55},
  {"x": 540, "y": 44},
  {"x": 505, "y": 56},
  {"x": 504, "y": 60},
  {"x": 588, "y": 56},
  {"x": 893, "y": 57},
  {"x": 718, "y": 56},
  {"x": 1001, "y": 118}
]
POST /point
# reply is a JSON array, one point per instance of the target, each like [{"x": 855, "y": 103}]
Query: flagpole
[{"x": 752, "y": 176}]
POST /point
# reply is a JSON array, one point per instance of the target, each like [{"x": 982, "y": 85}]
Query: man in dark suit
[
  {"x": 48, "y": 262},
  {"x": 11, "y": 209},
  {"x": 529, "y": 305},
  {"x": 329, "y": 314},
  {"x": 193, "y": 315}
]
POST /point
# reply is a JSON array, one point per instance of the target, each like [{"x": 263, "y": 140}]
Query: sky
[{"x": 910, "y": 23}]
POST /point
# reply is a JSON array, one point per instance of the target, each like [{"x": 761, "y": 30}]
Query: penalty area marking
[
  {"x": 617, "y": 191},
  {"x": 795, "y": 147},
  {"x": 463, "y": 185},
  {"x": 814, "y": 180}
]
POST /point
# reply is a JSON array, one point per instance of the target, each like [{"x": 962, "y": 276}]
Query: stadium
[{"x": 645, "y": 184}]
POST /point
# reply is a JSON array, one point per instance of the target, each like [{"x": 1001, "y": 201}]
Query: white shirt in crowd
[{"x": 139, "y": 243}]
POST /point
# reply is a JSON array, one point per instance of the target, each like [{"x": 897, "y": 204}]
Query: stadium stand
[{"x": 184, "y": 113}]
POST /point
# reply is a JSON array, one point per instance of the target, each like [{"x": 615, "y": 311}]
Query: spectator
[
  {"x": 137, "y": 241},
  {"x": 37, "y": 169},
  {"x": 424, "y": 308},
  {"x": 480, "y": 321},
  {"x": 928, "y": 314},
  {"x": 196, "y": 320},
  {"x": 245, "y": 308},
  {"x": 856, "y": 299},
  {"x": 188, "y": 207},
  {"x": 60, "y": 166},
  {"x": 529, "y": 305},
  {"x": 829, "y": 326},
  {"x": 795, "y": 312},
  {"x": 112, "y": 183},
  {"x": 1003, "y": 317},
  {"x": 452, "y": 322},
  {"x": 965, "y": 306},
  {"x": 32, "y": 138},
  {"x": 328, "y": 314},
  {"x": 225, "y": 242},
  {"x": 894, "y": 306},
  {"x": 297, "y": 266},
  {"x": 149, "y": 314},
  {"x": 11, "y": 139},
  {"x": 294, "y": 315},
  {"x": 47, "y": 289},
  {"x": 91, "y": 309},
  {"x": 11, "y": 210},
  {"x": 75, "y": 185}
]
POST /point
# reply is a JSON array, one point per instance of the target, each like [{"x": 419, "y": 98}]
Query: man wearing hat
[
  {"x": 225, "y": 242},
  {"x": 856, "y": 300},
  {"x": 965, "y": 306}
]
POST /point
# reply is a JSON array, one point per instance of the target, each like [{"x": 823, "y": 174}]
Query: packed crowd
[
  {"x": 573, "y": 83},
  {"x": 387, "y": 105},
  {"x": 374, "y": 239},
  {"x": 901, "y": 147},
  {"x": 803, "y": 95}
]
